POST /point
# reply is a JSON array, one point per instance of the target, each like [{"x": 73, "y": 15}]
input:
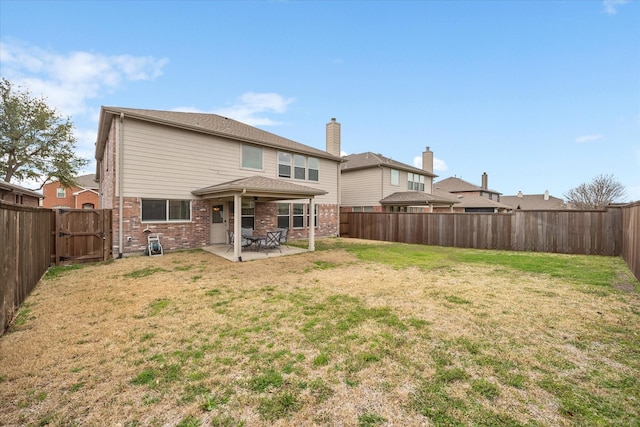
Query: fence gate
[{"x": 82, "y": 235}]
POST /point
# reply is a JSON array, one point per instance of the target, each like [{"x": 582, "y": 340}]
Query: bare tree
[{"x": 597, "y": 194}]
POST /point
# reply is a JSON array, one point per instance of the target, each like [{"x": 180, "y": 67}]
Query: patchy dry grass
[{"x": 355, "y": 334}]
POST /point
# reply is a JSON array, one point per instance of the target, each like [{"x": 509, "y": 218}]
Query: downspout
[{"x": 120, "y": 147}]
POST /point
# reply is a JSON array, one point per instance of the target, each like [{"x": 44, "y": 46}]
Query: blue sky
[{"x": 541, "y": 95}]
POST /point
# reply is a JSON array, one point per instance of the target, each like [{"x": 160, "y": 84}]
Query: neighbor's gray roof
[
  {"x": 212, "y": 124},
  {"x": 87, "y": 181},
  {"x": 410, "y": 198},
  {"x": 372, "y": 160},
  {"x": 530, "y": 202},
  {"x": 475, "y": 201},
  {"x": 457, "y": 185},
  {"x": 254, "y": 185},
  {"x": 19, "y": 190}
]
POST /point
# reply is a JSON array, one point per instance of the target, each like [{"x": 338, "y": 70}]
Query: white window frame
[
  {"x": 167, "y": 211},
  {"x": 59, "y": 191},
  {"x": 247, "y": 161},
  {"x": 395, "y": 177}
]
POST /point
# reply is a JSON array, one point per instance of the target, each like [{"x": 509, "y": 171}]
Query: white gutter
[{"x": 120, "y": 158}]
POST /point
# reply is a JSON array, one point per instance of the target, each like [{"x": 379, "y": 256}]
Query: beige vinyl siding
[
  {"x": 387, "y": 188},
  {"x": 362, "y": 187},
  {"x": 165, "y": 162}
]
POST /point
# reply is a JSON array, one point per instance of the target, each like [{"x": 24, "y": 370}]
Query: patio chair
[
  {"x": 271, "y": 241},
  {"x": 244, "y": 243},
  {"x": 284, "y": 232}
]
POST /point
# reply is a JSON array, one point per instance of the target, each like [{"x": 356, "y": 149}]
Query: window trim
[
  {"x": 61, "y": 190},
  {"x": 242, "y": 157},
  {"x": 395, "y": 173},
  {"x": 299, "y": 163},
  {"x": 167, "y": 211}
]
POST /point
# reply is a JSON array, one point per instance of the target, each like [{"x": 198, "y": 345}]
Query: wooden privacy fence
[
  {"x": 25, "y": 255},
  {"x": 33, "y": 239},
  {"x": 571, "y": 232},
  {"x": 631, "y": 237}
]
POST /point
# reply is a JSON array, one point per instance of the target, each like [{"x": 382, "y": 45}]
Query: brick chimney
[
  {"x": 485, "y": 181},
  {"x": 427, "y": 160},
  {"x": 333, "y": 137}
]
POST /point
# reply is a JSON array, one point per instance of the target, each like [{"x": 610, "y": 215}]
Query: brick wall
[
  {"x": 51, "y": 200},
  {"x": 173, "y": 235},
  {"x": 266, "y": 219}
]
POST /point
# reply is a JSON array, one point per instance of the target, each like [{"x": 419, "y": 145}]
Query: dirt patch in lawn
[{"x": 317, "y": 339}]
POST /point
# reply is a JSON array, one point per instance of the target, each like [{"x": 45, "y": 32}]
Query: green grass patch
[
  {"x": 281, "y": 405},
  {"x": 144, "y": 272},
  {"x": 370, "y": 420},
  {"x": 157, "y": 306},
  {"x": 61, "y": 270},
  {"x": 581, "y": 269}
]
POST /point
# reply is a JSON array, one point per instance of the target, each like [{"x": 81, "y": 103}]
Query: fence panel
[
  {"x": 571, "y": 232},
  {"x": 630, "y": 224},
  {"x": 25, "y": 254}
]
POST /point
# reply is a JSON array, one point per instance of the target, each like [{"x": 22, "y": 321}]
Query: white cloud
[
  {"x": 250, "y": 108},
  {"x": 589, "y": 138},
  {"x": 611, "y": 6},
  {"x": 69, "y": 79},
  {"x": 438, "y": 164}
]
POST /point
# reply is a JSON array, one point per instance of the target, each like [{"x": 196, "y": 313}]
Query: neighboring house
[
  {"x": 375, "y": 183},
  {"x": 472, "y": 198},
  {"x": 84, "y": 195},
  {"x": 16, "y": 195},
  {"x": 190, "y": 177},
  {"x": 531, "y": 202}
]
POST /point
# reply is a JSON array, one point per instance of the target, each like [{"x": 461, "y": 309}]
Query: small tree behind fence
[{"x": 25, "y": 254}]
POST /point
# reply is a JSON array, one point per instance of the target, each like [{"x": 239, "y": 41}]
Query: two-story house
[
  {"x": 375, "y": 183},
  {"x": 190, "y": 177},
  {"x": 83, "y": 195},
  {"x": 472, "y": 198}
]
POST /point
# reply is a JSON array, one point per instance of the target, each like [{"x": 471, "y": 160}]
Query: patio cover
[{"x": 260, "y": 189}]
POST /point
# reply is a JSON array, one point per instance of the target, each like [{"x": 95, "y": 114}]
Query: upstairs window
[
  {"x": 314, "y": 167},
  {"x": 415, "y": 182},
  {"x": 251, "y": 157},
  {"x": 61, "y": 193},
  {"x": 284, "y": 165},
  {"x": 395, "y": 177},
  {"x": 297, "y": 166},
  {"x": 300, "y": 163}
]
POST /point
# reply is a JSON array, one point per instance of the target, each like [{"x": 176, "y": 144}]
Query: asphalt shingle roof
[
  {"x": 219, "y": 125},
  {"x": 456, "y": 185},
  {"x": 533, "y": 202},
  {"x": 370, "y": 160},
  {"x": 260, "y": 184}
]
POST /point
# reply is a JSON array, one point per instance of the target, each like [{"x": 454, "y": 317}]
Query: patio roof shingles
[{"x": 259, "y": 185}]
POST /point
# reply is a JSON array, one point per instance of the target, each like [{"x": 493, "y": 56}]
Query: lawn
[{"x": 355, "y": 334}]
